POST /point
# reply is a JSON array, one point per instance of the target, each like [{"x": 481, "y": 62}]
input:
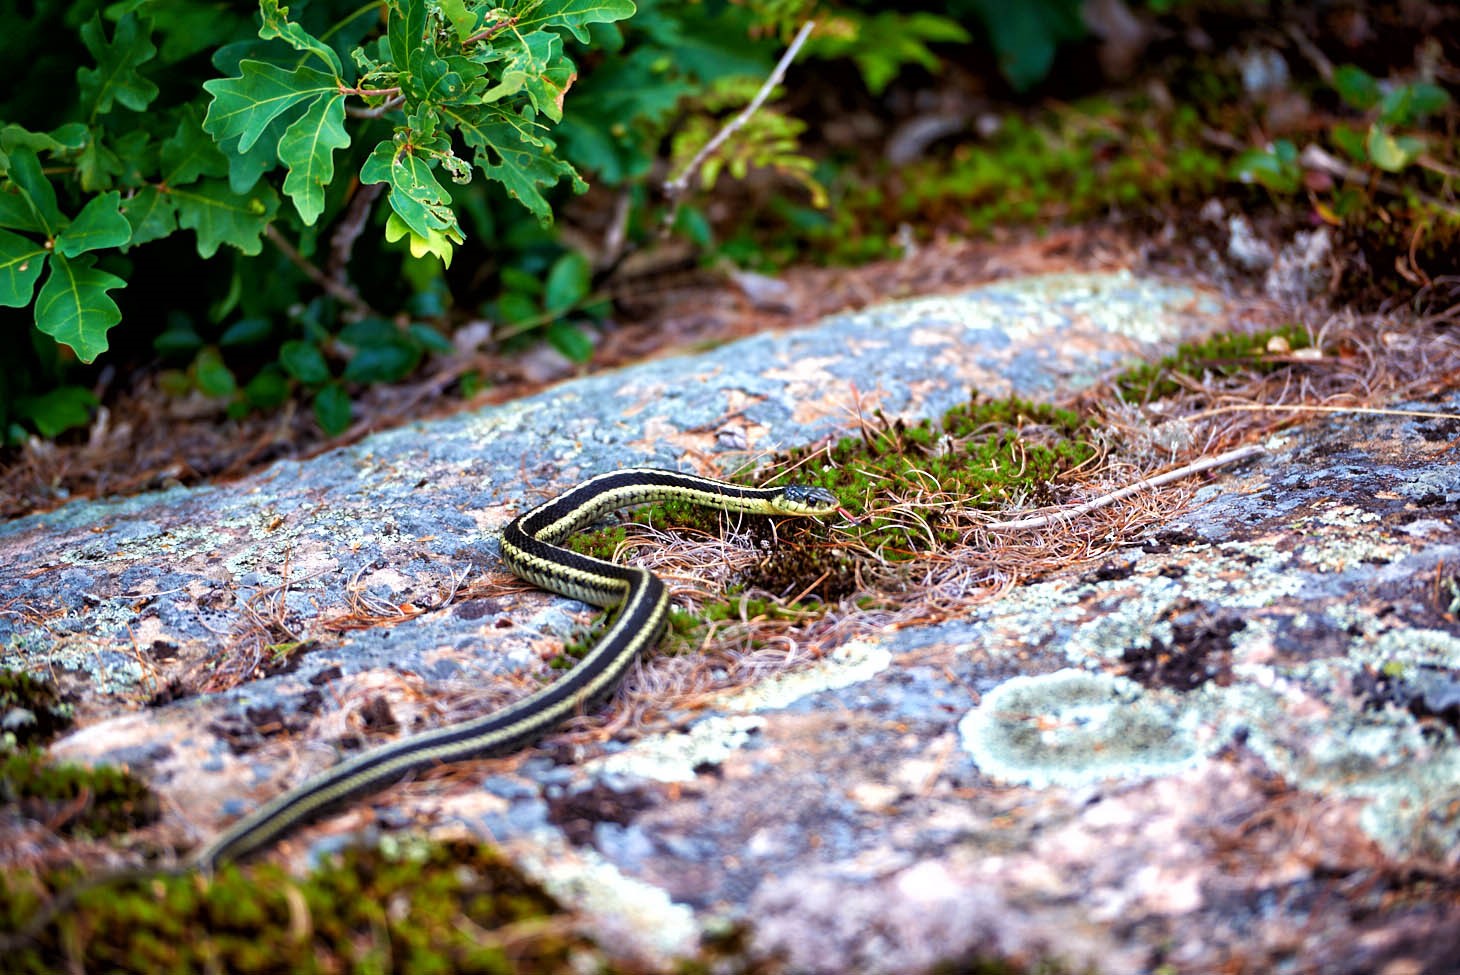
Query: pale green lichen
[
  {"x": 1074, "y": 728},
  {"x": 1386, "y": 756}
]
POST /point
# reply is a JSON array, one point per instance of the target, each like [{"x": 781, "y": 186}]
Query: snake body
[{"x": 530, "y": 550}]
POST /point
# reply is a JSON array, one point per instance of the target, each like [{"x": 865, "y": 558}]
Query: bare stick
[
  {"x": 351, "y": 225},
  {"x": 1313, "y": 408},
  {"x": 1206, "y": 463},
  {"x": 675, "y": 188},
  {"x": 343, "y": 292}
]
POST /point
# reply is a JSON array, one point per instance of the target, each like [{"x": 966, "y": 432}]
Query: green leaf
[
  {"x": 567, "y": 283},
  {"x": 307, "y": 148},
  {"x": 440, "y": 243},
  {"x": 66, "y": 138},
  {"x": 243, "y": 107},
  {"x": 414, "y": 193},
  {"x": 332, "y": 409},
  {"x": 463, "y": 21},
  {"x": 1407, "y": 103},
  {"x": 1275, "y": 168},
  {"x": 571, "y": 341},
  {"x": 1426, "y": 98},
  {"x": 527, "y": 160},
  {"x": 405, "y": 29},
  {"x": 213, "y": 377},
  {"x": 189, "y": 153},
  {"x": 21, "y": 262},
  {"x": 98, "y": 165},
  {"x": 99, "y": 224},
  {"x": 384, "y": 363},
  {"x": 220, "y": 216},
  {"x": 73, "y": 306},
  {"x": 115, "y": 76},
  {"x": 534, "y": 64},
  {"x": 1025, "y": 35},
  {"x": 1392, "y": 153},
  {"x": 61, "y": 409},
  {"x": 304, "y": 362},
  {"x": 36, "y": 209},
  {"x": 246, "y": 331},
  {"x": 245, "y": 168},
  {"x": 429, "y": 339},
  {"x": 152, "y": 215},
  {"x": 276, "y": 24},
  {"x": 576, "y": 15},
  {"x": 514, "y": 308},
  {"x": 1351, "y": 141},
  {"x": 369, "y": 331},
  {"x": 267, "y": 390},
  {"x": 431, "y": 79},
  {"x": 1356, "y": 87},
  {"x": 180, "y": 337}
]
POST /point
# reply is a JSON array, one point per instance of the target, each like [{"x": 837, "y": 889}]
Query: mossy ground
[
  {"x": 1153, "y": 152},
  {"x": 1220, "y": 356},
  {"x": 984, "y": 455},
  {"x": 1055, "y": 167},
  {"x": 418, "y": 907},
  {"x": 31, "y": 710}
]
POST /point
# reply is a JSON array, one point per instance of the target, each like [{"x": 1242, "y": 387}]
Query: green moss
[
  {"x": 983, "y": 454},
  {"x": 72, "y": 799},
  {"x": 31, "y": 711},
  {"x": 1223, "y": 355},
  {"x": 601, "y": 543},
  {"x": 414, "y": 907},
  {"x": 1063, "y": 165}
]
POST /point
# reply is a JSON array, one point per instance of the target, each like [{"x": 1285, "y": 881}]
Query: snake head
[{"x": 806, "y": 499}]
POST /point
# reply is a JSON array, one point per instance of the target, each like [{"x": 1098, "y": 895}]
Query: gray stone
[{"x": 1228, "y": 748}]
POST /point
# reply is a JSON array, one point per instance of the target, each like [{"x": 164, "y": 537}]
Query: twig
[
  {"x": 343, "y": 292},
  {"x": 351, "y": 225},
  {"x": 1068, "y": 514},
  {"x": 676, "y": 187},
  {"x": 384, "y": 108},
  {"x": 1314, "y": 408}
]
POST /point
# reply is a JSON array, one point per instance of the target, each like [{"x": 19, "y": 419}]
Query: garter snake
[{"x": 530, "y": 551}]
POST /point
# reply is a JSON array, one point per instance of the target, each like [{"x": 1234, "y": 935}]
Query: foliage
[
  {"x": 1385, "y": 143},
  {"x": 881, "y": 44},
  {"x": 768, "y": 140},
  {"x": 143, "y": 153},
  {"x": 179, "y": 118},
  {"x": 1024, "y": 36}
]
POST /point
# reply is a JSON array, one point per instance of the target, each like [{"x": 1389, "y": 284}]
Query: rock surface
[{"x": 1230, "y": 746}]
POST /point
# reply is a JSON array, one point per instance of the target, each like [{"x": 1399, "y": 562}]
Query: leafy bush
[
  {"x": 152, "y": 146},
  {"x": 1385, "y": 141},
  {"x": 144, "y": 153}
]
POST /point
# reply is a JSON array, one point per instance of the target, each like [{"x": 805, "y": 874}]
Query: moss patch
[
  {"x": 419, "y": 907},
  {"x": 72, "y": 799},
  {"x": 1226, "y": 355},
  {"x": 983, "y": 454},
  {"x": 31, "y": 710}
]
